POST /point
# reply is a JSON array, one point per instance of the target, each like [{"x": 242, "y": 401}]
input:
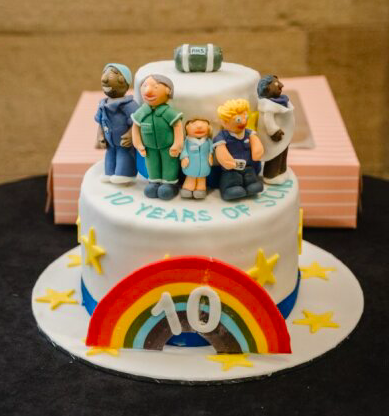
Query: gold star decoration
[
  {"x": 166, "y": 256},
  {"x": 93, "y": 251},
  {"x": 317, "y": 321},
  {"x": 75, "y": 260},
  {"x": 103, "y": 350},
  {"x": 252, "y": 122},
  {"x": 78, "y": 223},
  {"x": 300, "y": 231},
  {"x": 315, "y": 270},
  {"x": 231, "y": 360},
  {"x": 262, "y": 272},
  {"x": 57, "y": 298}
]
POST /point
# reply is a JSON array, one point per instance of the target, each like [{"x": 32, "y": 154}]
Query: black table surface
[{"x": 37, "y": 379}]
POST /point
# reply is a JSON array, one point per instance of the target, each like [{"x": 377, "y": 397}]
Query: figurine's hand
[
  {"x": 256, "y": 156},
  {"x": 142, "y": 152},
  {"x": 126, "y": 140},
  {"x": 185, "y": 162},
  {"x": 174, "y": 151},
  {"x": 277, "y": 136},
  {"x": 210, "y": 160},
  {"x": 101, "y": 144},
  {"x": 229, "y": 164}
]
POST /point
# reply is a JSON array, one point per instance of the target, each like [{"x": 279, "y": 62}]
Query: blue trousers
[{"x": 120, "y": 161}]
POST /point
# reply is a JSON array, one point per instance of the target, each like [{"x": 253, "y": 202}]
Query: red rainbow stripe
[{"x": 190, "y": 269}]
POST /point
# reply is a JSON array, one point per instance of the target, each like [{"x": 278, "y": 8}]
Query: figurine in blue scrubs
[
  {"x": 238, "y": 150},
  {"x": 115, "y": 123},
  {"x": 196, "y": 158}
]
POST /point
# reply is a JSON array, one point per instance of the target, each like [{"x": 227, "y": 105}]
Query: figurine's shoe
[
  {"x": 151, "y": 190},
  {"x": 277, "y": 180},
  {"x": 167, "y": 191},
  {"x": 234, "y": 192},
  {"x": 118, "y": 179},
  {"x": 199, "y": 194},
  {"x": 105, "y": 178},
  {"x": 186, "y": 193},
  {"x": 254, "y": 188}
]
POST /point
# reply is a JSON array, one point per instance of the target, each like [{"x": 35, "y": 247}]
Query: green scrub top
[{"x": 156, "y": 125}]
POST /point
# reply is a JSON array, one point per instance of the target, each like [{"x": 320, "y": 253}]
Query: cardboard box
[{"x": 321, "y": 155}]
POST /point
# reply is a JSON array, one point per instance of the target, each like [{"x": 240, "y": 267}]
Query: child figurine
[
  {"x": 114, "y": 132},
  {"x": 158, "y": 136},
  {"x": 276, "y": 126},
  {"x": 196, "y": 158},
  {"x": 237, "y": 150}
]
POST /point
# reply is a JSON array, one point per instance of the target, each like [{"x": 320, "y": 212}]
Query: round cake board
[{"x": 66, "y": 327}]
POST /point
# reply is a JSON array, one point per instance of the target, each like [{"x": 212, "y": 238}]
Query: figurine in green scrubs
[{"x": 157, "y": 134}]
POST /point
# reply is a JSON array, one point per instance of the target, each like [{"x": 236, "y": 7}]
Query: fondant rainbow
[{"x": 250, "y": 321}]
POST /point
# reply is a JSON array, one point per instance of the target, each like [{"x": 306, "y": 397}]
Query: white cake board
[{"x": 66, "y": 327}]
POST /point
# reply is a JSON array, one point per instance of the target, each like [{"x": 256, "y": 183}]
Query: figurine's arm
[
  {"x": 224, "y": 157},
  {"x": 101, "y": 143},
  {"x": 271, "y": 127},
  {"x": 256, "y": 147},
  {"x": 126, "y": 138},
  {"x": 184, "y": 158},
  {"x": 210, "y": 156},
  {"x": 178, "y": 143},
  {"x": 137, "y": 140}
]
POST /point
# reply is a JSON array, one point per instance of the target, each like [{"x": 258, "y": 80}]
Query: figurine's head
[
  {"x": 269, "y": 87},
  {"x": 233, "y": 115},
  {"x": 156, "y": 89},
  {"x": 198, "y": 127},
  {"x": 116, "y": 80}
]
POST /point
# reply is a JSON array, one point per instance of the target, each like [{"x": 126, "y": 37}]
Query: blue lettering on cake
[
  {"x": 156, "y": 212},
  {"x": 204, "y": 215},
  {"x": 171, "y": 215},
  {"x": 119, "y": 199},
  {"x": 188, "y": 214},
  {"x": 142, "y": 208}
]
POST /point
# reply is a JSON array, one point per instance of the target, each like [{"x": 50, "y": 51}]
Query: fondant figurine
[
  {"x": 237, "y": 150},
  {"x": 275, "y": 128},
  {"x": 158, "y": 136},
  {"x": 114, "y": 118},
  {"x": 196, "y": 158}
]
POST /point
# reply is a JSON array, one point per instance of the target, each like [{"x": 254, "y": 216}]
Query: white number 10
[{"x": 166, "y": 304}]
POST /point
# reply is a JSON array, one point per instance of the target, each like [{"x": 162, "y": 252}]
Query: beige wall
[{"x": 52, "y": 50}]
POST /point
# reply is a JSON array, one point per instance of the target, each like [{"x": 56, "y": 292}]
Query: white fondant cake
[
  {"x": 134, "y": 230},
  {"x": 198, "y": 94}
]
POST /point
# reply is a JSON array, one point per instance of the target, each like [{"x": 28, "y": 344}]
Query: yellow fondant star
[
  {"x": 93, "y": 251},
  {"x": 78, "y": 223},
  {"x": 103, "y": 350},
  {"x": 315, "y": 270},
  {"x": 317, "y": 321},
  {"x": 75, "y": 260},
  {"x": 262, "y": 272},
  {"x": 231, "y": 360},
  {"x": 166, "y": 256},
  {"x": 57, "y": 298},
  {"x": 252, "y": 122},
  {"x": 300, "y": 231}
]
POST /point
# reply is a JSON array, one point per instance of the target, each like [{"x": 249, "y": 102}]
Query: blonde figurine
[
  {"x": 196, "y": 158},
  {"x": 238, "y": 150}
]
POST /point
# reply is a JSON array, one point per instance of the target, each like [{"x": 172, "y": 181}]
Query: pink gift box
[{"x": 321, "y": 155}]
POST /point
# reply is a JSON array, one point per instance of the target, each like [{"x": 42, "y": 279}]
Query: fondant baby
[
  {"x": 237, "y": 150},
  {"x": 196, "y": 158}
]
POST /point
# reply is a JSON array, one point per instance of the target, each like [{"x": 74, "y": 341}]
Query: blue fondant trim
[
  {"x": 87, "y": 298},
  {"x": 286, "y": 305},
  {"x": 189, "y": 339}
]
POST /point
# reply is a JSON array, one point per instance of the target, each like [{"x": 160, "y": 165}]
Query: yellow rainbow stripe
[{"x": 177, "y": 289}]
